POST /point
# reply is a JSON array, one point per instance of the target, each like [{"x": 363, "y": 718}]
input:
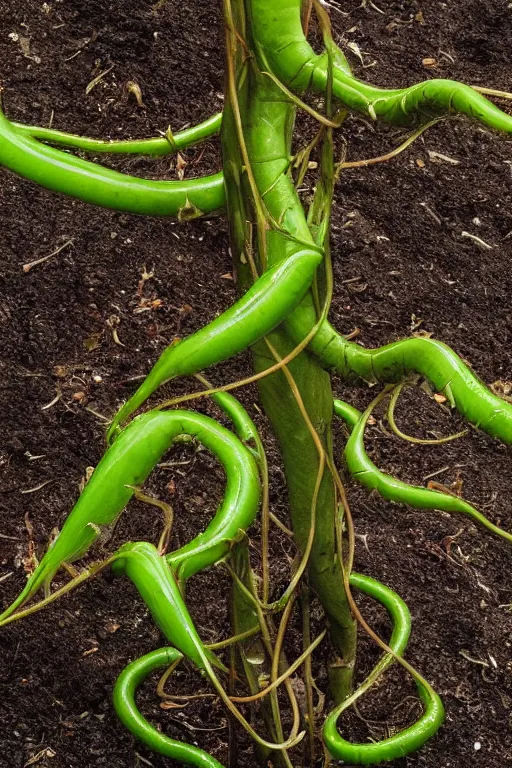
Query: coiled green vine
[{"x": 281, "y": 255}]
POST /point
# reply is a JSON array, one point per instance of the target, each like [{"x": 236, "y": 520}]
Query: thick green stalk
[
  {"x": 300, "y": 459},
  {"x": 260, "y": 124}
]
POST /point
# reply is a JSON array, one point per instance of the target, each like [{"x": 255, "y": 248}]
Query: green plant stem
[
  {"x": 62, "y": 172},
  {"x": 128, "y": 463},
  {"x": 267, "y": 120},
  {"x": 159, "y": 146},
  {"x": 254, "y": 654},
  {"x": 365, "y": 472},
  {"x": 262, "y": 307}
]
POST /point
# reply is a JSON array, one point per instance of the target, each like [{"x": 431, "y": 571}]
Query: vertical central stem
[
  {"x": 261, "y": 198},
  {"x": 300, "y": 458}
]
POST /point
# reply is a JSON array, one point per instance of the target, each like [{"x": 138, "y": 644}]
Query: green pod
[
  {"x": 62, "y": 172},
  {"x": 265, "y": 305},
  {"x": 126, "y": 708},
  {"x": 128, "y": 462},
  {"x": 365, "y": 472},
  {"x": 410, "y": 739}
]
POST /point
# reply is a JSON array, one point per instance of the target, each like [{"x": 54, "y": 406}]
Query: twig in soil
[
  {"x": 37, "y": 487},
  {"x": 97, "y": 80},
  {"x": 141, "y": 759},
  {"x": 389, "y": 155},
  {"x": 492, "y": 92},
  {"x": 52, "y": 402},
  {"x": 431, "y": 213},
  {"x": 478, "y": 240},
  {"x": 437, "y": 472},
  {"x": 99, "y": 416},
  {"x": 112, "y": 323},
  {"x": 46, "y": 752},
  {"x": 27, "y": 267}
]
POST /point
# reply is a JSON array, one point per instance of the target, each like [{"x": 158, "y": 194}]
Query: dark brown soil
[{"x": 397, "y": 228}]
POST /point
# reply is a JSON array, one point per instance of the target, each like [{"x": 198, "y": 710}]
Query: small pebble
[{"x": 477, "y": 746}]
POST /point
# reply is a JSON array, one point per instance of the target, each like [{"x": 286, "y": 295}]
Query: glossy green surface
[
  {"x": 128, "y": 462},
  {"x": 126, "y": 708},
  {"x": 365, "y": 472},
  {"x": 268, "y": 120},
  {"x": 62, "y": 172},
  {"x": 155, "y": 147},
  {"x": 159, "y": 590}
]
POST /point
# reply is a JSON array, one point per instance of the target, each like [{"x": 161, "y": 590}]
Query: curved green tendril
[
  {"x": 411, "y": 738},
  {"x": 159, "y": 146},
  {"x": 126, "y": 708},
  {"x": 62, "y": 172},
  {"x": 127, "y": 463},
  {"x": 263, "y": 307},
  {"x": 365, "y": 472},
  {"x": 409, "y": 438},
  {"x": 293, "y": 61}
]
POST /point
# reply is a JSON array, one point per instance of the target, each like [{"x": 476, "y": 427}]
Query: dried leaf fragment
[
  {"x": 46, "y": 752},
  {"x": 189, "y": 212},
  {"x": 181, "y": 164},
  {"x": 135, "y": 89}
]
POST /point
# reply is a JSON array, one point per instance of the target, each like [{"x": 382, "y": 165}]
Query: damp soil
[{"x": 403, "y": 264}]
